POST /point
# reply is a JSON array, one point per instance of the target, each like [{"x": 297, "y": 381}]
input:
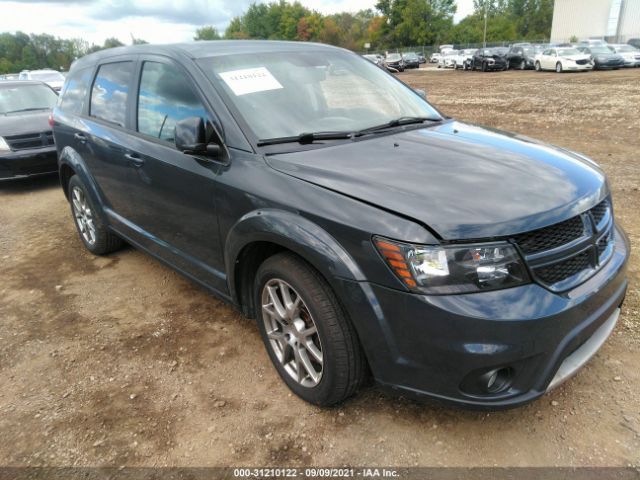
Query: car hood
[
  {"x": 579, "y": 56},
  {"x": 460, "y": 180},
  {"x": 605, "y": 57},
  {"x": 24, "y": 122}
]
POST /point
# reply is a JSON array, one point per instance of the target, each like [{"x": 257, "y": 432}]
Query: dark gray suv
[{"x": 367, "y": 233}]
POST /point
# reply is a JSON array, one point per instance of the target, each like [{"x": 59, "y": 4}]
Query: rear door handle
[
  {"x": 135, "y": 160},
  {"x": 80, "y": 137}
]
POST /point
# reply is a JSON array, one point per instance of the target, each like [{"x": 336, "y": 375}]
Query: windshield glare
[
  {"x": 283, "y": 95},
  {"x": 26, "y": 97},
  {"x": 47, "y": 76},
  {"x": 600, "y": 50}
]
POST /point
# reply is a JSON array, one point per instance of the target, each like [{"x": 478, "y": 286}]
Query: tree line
[{"x": 392, "y": 24}]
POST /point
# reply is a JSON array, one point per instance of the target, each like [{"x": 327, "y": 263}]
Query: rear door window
[
  {"x": 165, "y": 98},
  {"x": 110, "y": 92}
]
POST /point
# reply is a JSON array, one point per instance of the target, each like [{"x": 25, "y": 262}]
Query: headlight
[
  {"x": 454, "y": 269},
  {"x": 4, "y": 146}
]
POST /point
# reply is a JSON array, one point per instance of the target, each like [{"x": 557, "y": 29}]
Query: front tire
[
  {"x": 538, "y": 67},
  {"x": 95, "y": 236},
  {"x": 523, "y": 65},
  {"x": 558, "y": 67},
  {"x": 308, "y": 337}
]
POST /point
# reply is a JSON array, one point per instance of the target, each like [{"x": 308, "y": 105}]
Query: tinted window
[
  {"x": 165, "y": 98},
  {"x": 110, "y": 91},
  {"x": 75, "y": 91}
]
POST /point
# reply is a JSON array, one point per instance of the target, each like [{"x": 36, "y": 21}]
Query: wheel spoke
[
  {"x": 314, "y": 351},
  {"x": 303, "y": 359},
  {"x": 276, "y": 303}
]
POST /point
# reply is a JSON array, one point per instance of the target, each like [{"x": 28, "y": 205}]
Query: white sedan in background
[
  {"x": 448, "y": 59},
  {"x": 563, "y": 59},
  {"x": 435, "y": 57},
  {"x": 630, "y": 54}
]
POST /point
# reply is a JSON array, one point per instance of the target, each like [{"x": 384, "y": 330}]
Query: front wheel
[
  {"x": 523, "y": 65},
  {"x": 538, "y": 67},
  {"x": 558, "y": 67},
  {"x": 308, "y": 336},
  {"x": 484, "y": 66}
]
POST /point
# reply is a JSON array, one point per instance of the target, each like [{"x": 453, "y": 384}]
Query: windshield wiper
[
  {"x": 396, "y": 122},
  {"x": 27, "y": 109},
  {"x": 306, "y": 138}
]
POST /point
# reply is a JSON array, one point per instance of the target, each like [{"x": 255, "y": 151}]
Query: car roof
[{"x": 204, "y": 49}]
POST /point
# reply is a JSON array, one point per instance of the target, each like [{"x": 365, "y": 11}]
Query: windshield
[
  {"x": 626, "y": 48},
  {"x": 568, "y": 51},
  {"x": 411, "y": 56},
  {"x": 393, "y": 57},
  {"x": 26, "y": 97},
  {"x": 47, "y": 76},
  {"x": 528, "y": 51},
  {"x": 281, "y": 95},
  {"x": 600, "y": 50}
]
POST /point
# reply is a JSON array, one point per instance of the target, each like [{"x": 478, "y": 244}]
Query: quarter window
[
  {"x": 164, "y": 99},
  {"x": 75, "y": 91},
  {"x": 110, "y": 92}
]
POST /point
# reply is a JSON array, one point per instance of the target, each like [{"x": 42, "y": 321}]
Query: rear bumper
[
  {"x": 26, "y": 163},
  {"x": 436, "y": 347}
]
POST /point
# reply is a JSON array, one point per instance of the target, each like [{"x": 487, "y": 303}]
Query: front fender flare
[{"x": 295, "y": 233}]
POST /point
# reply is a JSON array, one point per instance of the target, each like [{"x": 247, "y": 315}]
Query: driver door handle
[
  {"x": 80, "y": 137},
  {"x": 135, "y": 159}
]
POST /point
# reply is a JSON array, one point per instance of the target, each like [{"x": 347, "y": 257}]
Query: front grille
[
  {"x": 581, "y": 62},
  {"x": 550, "y": 237},
  {"x": 579, "y": 244},
  {"x": 565, "y": 269},
  {"x": 600, "y": 210},
  {"x": 29, "y": 140}
]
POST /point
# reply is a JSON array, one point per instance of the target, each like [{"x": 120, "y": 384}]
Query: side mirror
[
  {"x": 190, "y": 138},
  {"x": 421, "y": 93}
]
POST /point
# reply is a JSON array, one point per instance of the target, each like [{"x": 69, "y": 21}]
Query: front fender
[{"x": 295, "y": 233}]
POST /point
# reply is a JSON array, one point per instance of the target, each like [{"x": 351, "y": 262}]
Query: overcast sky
[{"x": 157, "y": 21}]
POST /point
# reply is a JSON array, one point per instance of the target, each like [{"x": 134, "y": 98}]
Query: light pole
[{"x": 484, "y": 38}]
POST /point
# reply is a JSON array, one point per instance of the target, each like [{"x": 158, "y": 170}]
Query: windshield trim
[{"x": 254, "y": 140}]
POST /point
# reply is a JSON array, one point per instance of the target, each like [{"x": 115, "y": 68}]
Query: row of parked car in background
[{"x": 592, "y": 54}]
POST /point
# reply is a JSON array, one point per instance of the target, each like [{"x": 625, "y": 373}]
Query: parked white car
[
  {"x": 51, "y": 77},
  {"x": 448, "y": 59},
  {"x": 463, "y": 59},
  {"x": 630, "y": 54},
  {"x": 563, "y": 59},
  {"x": 435, "y": 57}
]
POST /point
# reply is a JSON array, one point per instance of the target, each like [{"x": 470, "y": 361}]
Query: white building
[{"x": 613, "y": 20}]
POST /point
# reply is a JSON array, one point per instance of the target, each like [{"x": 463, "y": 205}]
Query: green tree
[{"x": 208, "y": 32}]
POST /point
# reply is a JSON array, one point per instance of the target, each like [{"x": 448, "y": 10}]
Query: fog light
[{"x": 495, "y": 381}]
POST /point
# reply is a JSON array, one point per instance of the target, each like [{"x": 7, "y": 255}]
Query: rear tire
[
  {"x": 95, "y": 236},
  {"x": 538, "y": 67},
  {"x": 523, "y": 65},
  {"x": 558, "y": 67},
  {"x": 324, "y": 367},
  {"x": 484, "y": 66}
]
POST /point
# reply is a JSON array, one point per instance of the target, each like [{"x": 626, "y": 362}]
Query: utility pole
[{"x": 484, "y": 38}]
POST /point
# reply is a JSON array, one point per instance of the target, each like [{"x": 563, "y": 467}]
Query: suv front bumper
[{"x": 436, "y": 346}]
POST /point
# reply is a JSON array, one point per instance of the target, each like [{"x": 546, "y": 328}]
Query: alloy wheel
[
  {"x": 83, "y": 215},
  {"x": 292, "y": 332}
]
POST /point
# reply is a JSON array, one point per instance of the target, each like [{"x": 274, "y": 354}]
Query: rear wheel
[
  {"x": 93, "y": 233},
  {"x": 523, "y": 65},
  {"x": 484, "y": 66},
  {"x": 308, "y": 336},
  {"x": 558, "y": 67},
  {"x": 538, "y": 67}
]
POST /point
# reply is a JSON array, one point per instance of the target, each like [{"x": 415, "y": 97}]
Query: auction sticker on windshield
[{"x": 250, "y": 80}]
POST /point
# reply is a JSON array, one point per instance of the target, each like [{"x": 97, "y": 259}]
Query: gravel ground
[{"x": 120, "y": 361}]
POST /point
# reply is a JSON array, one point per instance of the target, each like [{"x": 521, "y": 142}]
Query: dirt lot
[{"x": 119, "y": 361}]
